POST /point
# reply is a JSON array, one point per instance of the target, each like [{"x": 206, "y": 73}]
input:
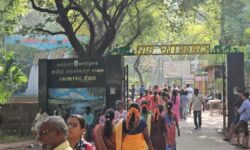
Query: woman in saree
[
  {"x": 132, "y": 132},
  {"x": 146, "y": 114},
  {"x": 104, "y": 135},
  {"x": 155, "y": 100},
  {"x": 158, "y": 129},
  {"x": 175, "y": 99},
  {"x": 171, "y": 124}
]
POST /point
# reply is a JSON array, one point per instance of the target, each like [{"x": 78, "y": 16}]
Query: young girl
[{"x": 171, "y": 122}]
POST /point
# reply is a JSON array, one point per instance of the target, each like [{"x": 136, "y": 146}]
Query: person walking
[
  {"x": 76, "y": 126},
  {"x": 171, "y": 125},
  {"x": 89, "y": 117},
  {"x": 146, "y": 114},
  {"x": 132, "y": 132},
  {"x": 158, "y": 129},
  {"x": 120, "y": 112},
  {"x": 197, "y": 102},
  {"x": 190, "y": 94},
  {"x": 175, "y": 99},
  {"x": 132, "y": 90},
  {"x": 184, "y": 103},
  {"x": 53, "y": 133},
  {"x": 155, "y": 100},
  {"x": 104, "y": 135}
]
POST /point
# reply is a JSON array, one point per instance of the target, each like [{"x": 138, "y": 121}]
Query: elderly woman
[
  {"x": 132, "y": 133},
  {"x": 104, "y": 135},
  {"x": 76, "y": 125}
]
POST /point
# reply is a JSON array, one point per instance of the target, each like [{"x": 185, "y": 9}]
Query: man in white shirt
[
  {"x": 190, "y": 94},
  {"x": 198, "y": 104}
]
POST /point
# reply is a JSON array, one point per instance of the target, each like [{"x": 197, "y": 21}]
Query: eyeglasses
[
  {"x": 71, "y": 125},
  {"x": 43, "y": 132}
]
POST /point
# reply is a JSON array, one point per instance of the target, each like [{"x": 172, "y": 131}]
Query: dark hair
[
  {"x": 80, "y": 119},
  {"x": 132, "y": 119},
  {"x": 196, "y": 90},
  {"x": 169, "y": 106},
  {"x": 246, "y": 94},
  {"x": 135, "y": 105},
  {"x": 160, "y": 107},
  {"x": 144, "y": 102},
  {"x": 109, "y": 116},
  {"x": 144, "y": 110},
  {"x": 88, "y": 108}
]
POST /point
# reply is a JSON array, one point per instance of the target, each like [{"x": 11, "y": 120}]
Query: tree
[
  {"x": 102, "y": 19},
  {"x": 10, "y": 13},
  {"x": 12, "y": 78}
]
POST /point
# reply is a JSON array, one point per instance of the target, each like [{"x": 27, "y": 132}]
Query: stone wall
[{"x": 17, "y": 117}]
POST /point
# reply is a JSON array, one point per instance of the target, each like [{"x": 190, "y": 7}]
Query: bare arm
[
  {"x": 203, "y": 103},
  {"x": 147, "y": 139}
]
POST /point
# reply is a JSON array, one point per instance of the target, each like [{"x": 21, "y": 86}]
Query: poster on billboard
[{"x": 176, "y": 68}]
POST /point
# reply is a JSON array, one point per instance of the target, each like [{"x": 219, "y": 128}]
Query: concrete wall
[{"x": 17, "y": 117}]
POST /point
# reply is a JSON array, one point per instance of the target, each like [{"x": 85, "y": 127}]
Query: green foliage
[
  {"x": 24, "y": 55},
  {"x": 122, "y": 51},
  {"x": 10, "y": 13},
  {"x": 12, "y": 78}
]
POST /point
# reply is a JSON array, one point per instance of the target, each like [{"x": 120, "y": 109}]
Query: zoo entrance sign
[
  {"x": 76, "y": 72},
  {"x": 182, "y": 49}
]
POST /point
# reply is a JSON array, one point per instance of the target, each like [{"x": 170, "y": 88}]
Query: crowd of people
[{"x": 150, "y": 122}]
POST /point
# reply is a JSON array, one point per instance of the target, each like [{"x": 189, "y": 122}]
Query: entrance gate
[
  {"x": 233, "y": 69},
  {"x": 111, "y": 77},
  {"x": 125, "y": 87}
]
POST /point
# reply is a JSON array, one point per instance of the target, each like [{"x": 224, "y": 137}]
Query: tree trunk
[{"x": 136, "y": 67}]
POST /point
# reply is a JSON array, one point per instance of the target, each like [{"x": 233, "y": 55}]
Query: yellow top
[
  {"x": 64, "y": 146},
  {"x": 118, "y": 133}
]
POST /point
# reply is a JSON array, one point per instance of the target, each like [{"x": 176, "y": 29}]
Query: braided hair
[{"x": 109, "y": 116}]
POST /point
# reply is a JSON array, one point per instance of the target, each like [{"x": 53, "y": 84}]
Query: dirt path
[{"x": 26, "y": 145}]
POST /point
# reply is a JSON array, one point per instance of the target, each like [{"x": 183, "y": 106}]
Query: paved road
[{"x": 206, "y": 138}]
